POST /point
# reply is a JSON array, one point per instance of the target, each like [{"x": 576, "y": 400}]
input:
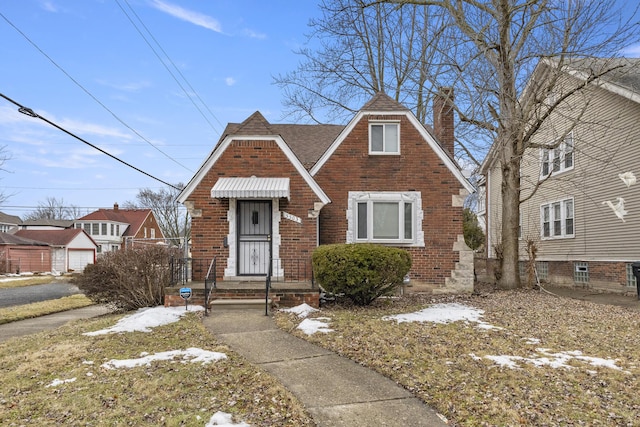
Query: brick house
[
  {"x": 113, "y": 229},
  {"x": 383, "y": 178}
]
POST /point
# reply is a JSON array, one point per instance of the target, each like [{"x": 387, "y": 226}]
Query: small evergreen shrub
[
  {"x": 128, "y": 279},
  {"x": 362, "y": 272}
]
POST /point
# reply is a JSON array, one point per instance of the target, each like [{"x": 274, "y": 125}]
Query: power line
[
  {"x": 172, "y": 63},
  {"x": 31, "y": 113},
  {"x": 91, "y": 95}
]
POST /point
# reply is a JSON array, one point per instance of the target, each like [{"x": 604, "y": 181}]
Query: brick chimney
[
  {"x": 443, "y": 118},
  {"x": 115, "y": 207}
]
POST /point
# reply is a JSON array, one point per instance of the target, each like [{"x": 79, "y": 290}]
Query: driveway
[{"x": 28, "y": 294}]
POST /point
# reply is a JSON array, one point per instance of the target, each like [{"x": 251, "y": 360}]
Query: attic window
[{"x": 384, "y": 138}]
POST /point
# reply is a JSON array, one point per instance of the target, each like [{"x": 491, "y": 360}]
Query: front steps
[{"x": 246, "y": 294}]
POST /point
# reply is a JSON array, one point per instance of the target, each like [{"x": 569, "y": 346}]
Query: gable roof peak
[
  {"x": 255, "y": 124},
  {"x": 383, "y": 102}
]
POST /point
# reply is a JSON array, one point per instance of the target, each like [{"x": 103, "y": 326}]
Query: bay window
[{"x": 385, "y": 217}]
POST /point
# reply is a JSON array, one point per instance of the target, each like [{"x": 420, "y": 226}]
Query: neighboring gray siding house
[
  {"x": 46, "y": 224},
  {"x": 9, "y": 223},
  {"x": 581, "y": 205}
]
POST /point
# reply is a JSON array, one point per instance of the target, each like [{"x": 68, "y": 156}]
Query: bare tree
[
  {"x": 53, "y": 208},
  {"x": 3, "y": 158},
  {"x": 499, "y": 44},
  {"x": 487, "y": 50},
  {"x": 172, "y": 218},
  {"x": 355, "y": 51}
]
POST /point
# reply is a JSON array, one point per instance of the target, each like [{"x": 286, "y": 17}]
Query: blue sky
[
  {"x": 87, "y": 68},
  {"x": 228, "y": 51}
]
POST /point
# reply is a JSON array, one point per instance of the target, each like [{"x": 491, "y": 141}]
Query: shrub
[
  {"x": 473, "y": 233},
  {"x": 362, "y": 272},
  {"x": 128, "y": 279}
]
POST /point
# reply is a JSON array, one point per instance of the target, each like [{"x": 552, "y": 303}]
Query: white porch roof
[{"x": 248, "y": 188}]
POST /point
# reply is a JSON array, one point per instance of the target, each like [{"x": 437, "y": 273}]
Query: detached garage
[
  {"x": 72, "y": 248},
  {"x": 19, "y": 255}
]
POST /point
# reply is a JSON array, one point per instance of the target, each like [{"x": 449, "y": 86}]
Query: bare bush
[{"x": 128, "y": 279}]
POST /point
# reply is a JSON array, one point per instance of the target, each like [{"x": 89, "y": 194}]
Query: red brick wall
[
  {"x": 417, "y": 168},
  {"x": 443, "y": 118},
  {"x": 148, "y": 224},
  {"x": 244, "y": 159}
]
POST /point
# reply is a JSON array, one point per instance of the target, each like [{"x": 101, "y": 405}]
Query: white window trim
[
  {"x": 413, "y": 197},
  {"x": 560, "y": 150},
  {"x": 384, "y": 153},
  {"x": 563, "y": 219}
]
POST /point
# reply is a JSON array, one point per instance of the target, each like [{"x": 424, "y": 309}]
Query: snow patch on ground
[
  {"x": 193, "y": 355},
  {"x": 311, "y": 326},
  {"x": 302, "y": 310},
  {"x": 553, "y": 360},
  {"x": 222, "y": 419},
  {"x": 146, "y": 318},
  {"x": 57, "y": 382},
  {"x": 444, "y": 313},
  {"x": 454, "y": 312}
]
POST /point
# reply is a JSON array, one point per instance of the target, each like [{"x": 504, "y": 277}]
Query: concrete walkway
[
  {"x": 50, "y": 321},
  {"x": 335, "y": 390}
]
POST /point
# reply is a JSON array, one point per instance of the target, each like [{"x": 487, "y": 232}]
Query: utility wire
[
  {"x": 31, "y": 113},
  {"x": 172, "y": 63},
  {"x": 91, "y": 95}
]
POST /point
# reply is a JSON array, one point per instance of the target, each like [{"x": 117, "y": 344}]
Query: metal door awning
[{"x": 250, "y": 188}]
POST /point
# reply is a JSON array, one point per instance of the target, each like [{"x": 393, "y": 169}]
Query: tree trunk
[{"x": 510, "y": 278}]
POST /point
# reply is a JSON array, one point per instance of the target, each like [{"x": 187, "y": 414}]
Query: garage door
[{"x": 78, "y": 259}]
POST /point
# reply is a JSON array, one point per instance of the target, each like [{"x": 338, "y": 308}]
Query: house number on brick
[{"x": 291, "y": 217}]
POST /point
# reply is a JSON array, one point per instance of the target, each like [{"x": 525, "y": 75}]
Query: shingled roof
[
  {"x": 52, "y": 237},
  {"x": 308, "y": 142},
  {"x": 624, "y": 72},
  {"x": 383, "y": 102},
  {"x": 9, "y": 219},
  {"x": 134, "y": 217},
  {"x": 12, "y": 239},
  {"x": 45, "y": 222}
]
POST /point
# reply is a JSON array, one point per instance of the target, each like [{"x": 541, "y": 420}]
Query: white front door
[{"x": 254, "y": 231}]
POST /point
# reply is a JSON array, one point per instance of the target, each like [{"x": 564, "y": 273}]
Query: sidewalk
[
  {"x": 630, "y": 302},
  {"x": 335, "y": 390},
  {"x": 50, "y": 321}
]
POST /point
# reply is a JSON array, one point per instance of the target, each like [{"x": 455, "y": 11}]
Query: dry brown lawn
[
  {"x": 448, "y": 365},
  {"x": 18, "y": 282},
  {"x": 164, "y": 393}
]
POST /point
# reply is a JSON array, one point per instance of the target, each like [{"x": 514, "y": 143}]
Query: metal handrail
[
  {"x": 268, "y": 280},
  {"x": 207, "y": 289}
]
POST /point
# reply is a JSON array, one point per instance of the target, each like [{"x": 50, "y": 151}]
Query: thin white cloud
[
  {"x": 126, "y": 87},
  {"x": 254, "y": 34},
  {"x": 49, "y": 6},
  {"x": 230, "y": 81},
  {"x": 29, "y": 129},
  {"x": 81, "y": 128},
  {"x": 190, "y": 16},
  {"x": 632, "y": 51}
]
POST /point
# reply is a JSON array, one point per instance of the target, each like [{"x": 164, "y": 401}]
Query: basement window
[{"x": 581, "y": 272}]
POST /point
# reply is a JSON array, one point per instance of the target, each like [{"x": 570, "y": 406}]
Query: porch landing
[{"x": 281, "y": 294}]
